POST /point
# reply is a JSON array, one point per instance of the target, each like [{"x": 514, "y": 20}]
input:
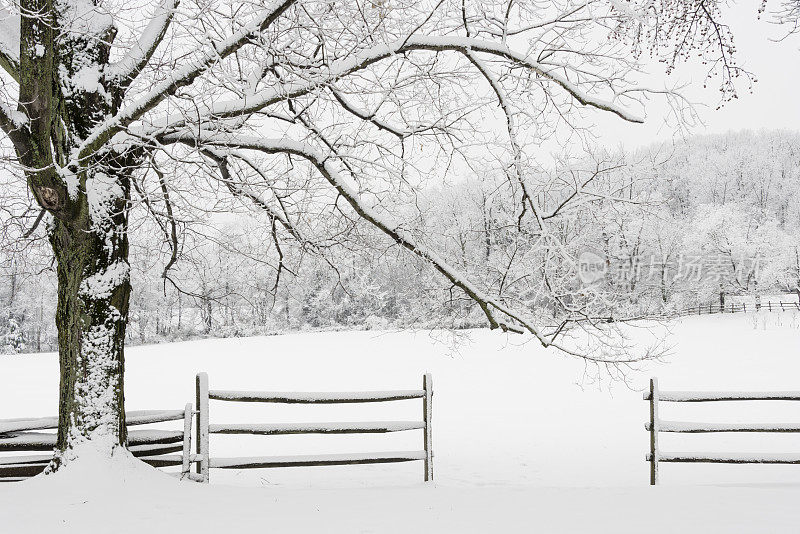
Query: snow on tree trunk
[{"x": 93, "y": 297}]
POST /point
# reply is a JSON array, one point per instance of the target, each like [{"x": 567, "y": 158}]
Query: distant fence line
[
  {"x": 702, "y": 309},
  {"x": 708, "y": 309}
]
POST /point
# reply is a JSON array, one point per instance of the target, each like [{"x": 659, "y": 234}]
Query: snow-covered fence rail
[
  {"x": 656, "y": 426},
  {"x": 204, "y": 428},
  {"x": 155, "y": 447}
]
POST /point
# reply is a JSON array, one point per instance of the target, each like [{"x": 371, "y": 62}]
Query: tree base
[{"x": 95, "y": 458}]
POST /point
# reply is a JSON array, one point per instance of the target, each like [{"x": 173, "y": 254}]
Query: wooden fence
[
  {"x": 204, "y": 428},
  {"x": 657, "y": 425},
  {"x": 701, "y": 309},
  {"x": 707, "y": 309},
  {"x": 155, "y": 447}
]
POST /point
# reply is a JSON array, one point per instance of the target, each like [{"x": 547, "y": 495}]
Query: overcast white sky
[{"x": 775, "y": 102}]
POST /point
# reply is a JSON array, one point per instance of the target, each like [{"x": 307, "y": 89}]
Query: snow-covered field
[{"x": 524, "y": 439}]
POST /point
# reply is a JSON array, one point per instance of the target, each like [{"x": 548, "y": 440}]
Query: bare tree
[
  {"x": 785, "y": 13},
  {"x": 321, "y": 115}
]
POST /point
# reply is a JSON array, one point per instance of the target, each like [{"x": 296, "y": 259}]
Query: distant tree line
[{"x": 675, "y": 226}]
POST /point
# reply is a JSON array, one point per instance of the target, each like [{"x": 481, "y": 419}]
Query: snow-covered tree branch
[
  {"x": 124, "y": 71},
  {"x": 9, "y": 42}
]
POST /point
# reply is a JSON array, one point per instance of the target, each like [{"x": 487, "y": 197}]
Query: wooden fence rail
[
  {"x": 154, "y": 447},
  {"x": 656, "y": 425},
  {"x": 204, "y": 428}
]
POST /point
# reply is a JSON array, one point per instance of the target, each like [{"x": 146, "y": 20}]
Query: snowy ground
[{"x": 523, "y": 440}]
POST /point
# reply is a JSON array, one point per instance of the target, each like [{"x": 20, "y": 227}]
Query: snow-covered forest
[{"x": 725, "y": 205}]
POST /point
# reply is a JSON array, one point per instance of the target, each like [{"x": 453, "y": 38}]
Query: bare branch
[
  {"x": 361, "y": 60},
  {"x": 9, "y": 43},
  {"x": 498, "y": 314},
  {"x": 239, "y": 189},
  {"x": 173, "y": 227},
  {"x": 9, "y": 64},
  {"x": 12, "y": 123},
  {"x": 578, "y": 190},
  {"x": 505, "y": 105},
  {"x": 180, "y": 78},
  {"x": 33, "y": 228},
  {"x": 123, "y": 72},
  {"x": 367, "y": 116}
]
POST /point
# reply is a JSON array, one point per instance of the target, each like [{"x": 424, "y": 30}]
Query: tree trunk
[
  {"x": 93, "y": 297},
  {"x": 63, "y": 47}
]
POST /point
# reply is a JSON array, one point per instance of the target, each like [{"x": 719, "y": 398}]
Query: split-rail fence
[
  {"x": 656, "y": 425},
  {"x": 205, "y": 428},
  {"x": 158, "y": 447}
]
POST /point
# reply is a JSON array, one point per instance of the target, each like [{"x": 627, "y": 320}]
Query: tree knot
[{"x": 49, "y": 198}]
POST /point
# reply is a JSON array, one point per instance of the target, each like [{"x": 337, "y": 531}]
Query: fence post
[
  {"x": 187, "y": 440},
  {"x": 202, "y": 426},
  {"x": 653, "y": 431},
  {"x": 427, "y": 409}
]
